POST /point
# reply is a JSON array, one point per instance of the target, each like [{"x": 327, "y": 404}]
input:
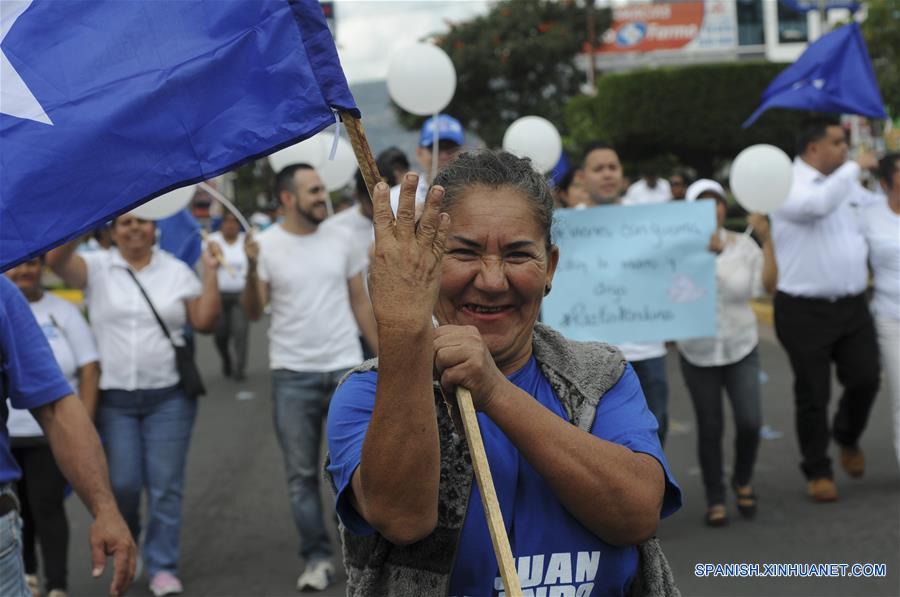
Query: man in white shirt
[
  {"x": 649, "y": 189},
  {"x": 313, "y": 277},
  {"x": 601, "y": 175},
  {"x": 450, "y": 136},
  {"x": 821, "y": 313},
  {"x": 356, "y": 223}
]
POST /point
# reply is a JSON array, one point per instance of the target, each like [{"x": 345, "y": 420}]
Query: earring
[{"x": 547, "y": 289}]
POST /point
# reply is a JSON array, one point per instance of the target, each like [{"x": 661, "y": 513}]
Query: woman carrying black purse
[{"x": 139, "y": 299}]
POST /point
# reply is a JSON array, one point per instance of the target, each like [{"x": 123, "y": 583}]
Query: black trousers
[
  {"x": 232, "y": 325},
  {"x": 41, "y": 492},
  {"x": 815, "y": 333},
  {"x": 741, "y": 383}
]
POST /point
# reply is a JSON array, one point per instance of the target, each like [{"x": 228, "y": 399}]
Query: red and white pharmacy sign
[{"x": 671, "y": 26}]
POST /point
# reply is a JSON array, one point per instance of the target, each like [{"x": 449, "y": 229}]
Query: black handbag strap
[
  {"x": 62, "y": 331},
  {"x": 152, "y": 308}
]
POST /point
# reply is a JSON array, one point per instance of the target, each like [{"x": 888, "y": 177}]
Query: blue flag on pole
[
  {"x": 106, "y": 104},
  {"x": 834, "y": 74}
]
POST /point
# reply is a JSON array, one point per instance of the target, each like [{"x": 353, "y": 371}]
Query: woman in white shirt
[
  {"x": 144, "y": 416},
  {"x": 42, "y": 487},
  {"x": 232, "y": 323},
  {"x": 730, "y": 360},
  {"x": 881, "y": 226}
]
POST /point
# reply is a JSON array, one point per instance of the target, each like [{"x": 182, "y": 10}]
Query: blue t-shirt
[
  {"x": 29, "y": 375},
  {"x": 552, "y": 549}
]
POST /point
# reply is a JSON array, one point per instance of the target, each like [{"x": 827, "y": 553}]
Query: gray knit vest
[{"x": 579, "y": 373}]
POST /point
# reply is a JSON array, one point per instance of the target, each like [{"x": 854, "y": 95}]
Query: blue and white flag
[
  {"x": 834, "y": 74},
  {"x": 108, "y": 103}
]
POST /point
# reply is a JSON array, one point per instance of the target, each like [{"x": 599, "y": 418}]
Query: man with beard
[{"x": 313, "y": 277}]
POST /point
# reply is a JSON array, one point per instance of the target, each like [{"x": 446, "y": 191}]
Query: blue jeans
[
  {"x": 12, "y": 568},
  {"x": 300, "y": 406},
  {"x": 652, "y": 375},
  {"x": 146, "y": 434}
]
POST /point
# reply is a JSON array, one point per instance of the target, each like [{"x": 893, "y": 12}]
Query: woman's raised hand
[{"x": 405, "y": 270}]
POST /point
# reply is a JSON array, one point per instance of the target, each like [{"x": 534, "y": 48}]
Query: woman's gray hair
[{"x": 494, "y": 170}]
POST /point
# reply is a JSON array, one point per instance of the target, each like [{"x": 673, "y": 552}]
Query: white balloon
[
  {"x": 165, "y": 205},
  {"x": 421, "y": 79},
  {"x": 535, "y": 138},
  {"x": 312, "y": 151},
  {"x": 761, "y": 177},
  {"x": 338, "y": 172}
]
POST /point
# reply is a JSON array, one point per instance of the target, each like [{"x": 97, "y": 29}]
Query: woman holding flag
[{"x": 580, "y": 475}]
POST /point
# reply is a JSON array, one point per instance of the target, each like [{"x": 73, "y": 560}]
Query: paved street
[{"x": 239, "y": 539}]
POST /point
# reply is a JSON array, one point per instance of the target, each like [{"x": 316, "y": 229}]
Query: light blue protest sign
[{"x": 634, "y": 273}]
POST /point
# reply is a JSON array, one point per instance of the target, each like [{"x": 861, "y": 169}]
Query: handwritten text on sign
[{"x": 634, "y": 273}]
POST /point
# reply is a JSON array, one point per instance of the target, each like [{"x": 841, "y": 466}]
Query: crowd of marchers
[{"x": 432, "y": 282}]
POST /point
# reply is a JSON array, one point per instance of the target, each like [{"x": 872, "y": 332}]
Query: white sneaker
[
  {"x": 165, "y": 583},
  {"x": 34, "y": 584},
  {"x": 318, "y": 576}
]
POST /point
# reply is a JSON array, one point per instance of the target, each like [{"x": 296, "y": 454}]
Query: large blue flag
[
  {"x": 834, "y": 74},
  {"x": 108, "y": 103}
]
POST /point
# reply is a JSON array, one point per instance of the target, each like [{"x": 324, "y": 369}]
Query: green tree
[
  {"x": 881, "y": 30},
  {"x": 693, "y": 113},
  {"x": 517, "y": 60}
]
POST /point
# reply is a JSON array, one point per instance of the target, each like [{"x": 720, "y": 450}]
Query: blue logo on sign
[{"x": 631, "y": 34}]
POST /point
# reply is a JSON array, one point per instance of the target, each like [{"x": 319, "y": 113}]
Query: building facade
[{"x": 669, "y": 33}]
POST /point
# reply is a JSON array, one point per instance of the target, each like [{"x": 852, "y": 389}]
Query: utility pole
[
  {"x": 823, "y": 17},
  {"x": 591, "y": 36}
]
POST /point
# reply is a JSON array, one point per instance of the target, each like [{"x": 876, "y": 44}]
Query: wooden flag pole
[
  {"x": 488, "y": 495},
  {"x": 499, "y": 539},
  {"x": 364, "y": 158}
]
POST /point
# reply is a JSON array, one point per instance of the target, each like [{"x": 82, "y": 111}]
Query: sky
[{"x": 370, "y": 31}]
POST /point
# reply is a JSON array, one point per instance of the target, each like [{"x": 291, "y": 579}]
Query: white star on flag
[{"x": 15, "y": 97}]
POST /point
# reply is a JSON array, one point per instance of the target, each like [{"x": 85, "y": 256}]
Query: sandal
[
  {"x": 746, "y": 500},
  {"x": 716, "y": 516}
]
